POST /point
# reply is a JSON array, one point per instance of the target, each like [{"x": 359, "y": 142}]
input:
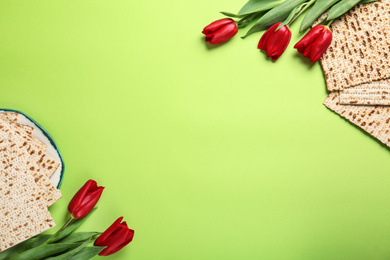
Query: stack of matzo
[
  {"x": 357, "y": 68},
  {"x": 25, "y": 189}
]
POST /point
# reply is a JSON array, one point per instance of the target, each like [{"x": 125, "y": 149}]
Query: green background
[{"x": 208, "y": 152}]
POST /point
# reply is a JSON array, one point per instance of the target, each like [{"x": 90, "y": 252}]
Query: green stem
[
  {"x": 62, "y": 228},
  {"x": 308, "y": 4},
  {"x": 330, "y": 22}
]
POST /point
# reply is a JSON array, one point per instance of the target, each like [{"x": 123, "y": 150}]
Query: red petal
[
  {"x": 310, "y": 37},
  {"x": 209, "y": 37},
  {"x": 130, "y": 235},
  {"x": 100, "y": 241},
  {"x": 278, "y": 42},
  {"x": 79, "y": 196},
  {"x": 320, "y": 46},
  {"x": 306, "y": 52},
  {"x": 88, "y": 203},
  {"x": 129, "y": 238},
  {"x": 224, "y": 34},
  {"x": 301, "y": 49},
  {"x": 214, "y": 26},
  {"x": 264, "y": 38},
  {"x": 116, "y": 241}
]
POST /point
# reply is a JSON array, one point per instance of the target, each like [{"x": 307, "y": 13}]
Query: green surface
[{"x": 208, "y": 153}]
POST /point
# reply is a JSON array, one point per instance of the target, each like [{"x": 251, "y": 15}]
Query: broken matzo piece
[
  {"x": 370, "y": 94},
  {"x": 375, "y": 120}
]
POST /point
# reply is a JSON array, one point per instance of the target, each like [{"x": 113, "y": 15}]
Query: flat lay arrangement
[{"x": 254, "y": 129}]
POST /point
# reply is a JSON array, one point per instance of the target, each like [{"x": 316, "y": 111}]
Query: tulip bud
[
  {"x": 117, "y": 236},
  {"x": 85, "y": 199},
  {"x": 220, "y": 31},
  {"x": 274, "y": 42},
  {"x": 315, "y": 42}
]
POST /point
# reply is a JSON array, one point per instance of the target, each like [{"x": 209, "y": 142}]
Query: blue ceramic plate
[{"x": 41, "y": 134}]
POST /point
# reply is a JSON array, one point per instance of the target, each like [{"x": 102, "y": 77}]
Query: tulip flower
[
  {"x": 220, "y": 31},
  {"x": 114, "y": 238},
  {"x": 274, "y": 42},
  {"x": 85, "y": 199},
  {"x": 315, "y": 42}
]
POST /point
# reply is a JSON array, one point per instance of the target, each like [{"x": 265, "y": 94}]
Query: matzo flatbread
[
  {"x": 11, "y": 116},
  {"x": 359, "y": 52},
  {"x": 23, "y": 211},
  {"x": 375, "y": 120},
  {"x": 16, "y": 153},
  {"x": 25, "y": 130},
  {"x": 36, "y": 149},
  {"x": 373, "y": 93}
]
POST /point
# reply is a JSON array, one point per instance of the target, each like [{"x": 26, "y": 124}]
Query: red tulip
[
  {"x": 85, "y": 199},
  {"x": 315, "y": 42},
  {"x": 274, "y": 42},
  {"x": 117, "y": 236},
  {"x": 220, "y": 31}
]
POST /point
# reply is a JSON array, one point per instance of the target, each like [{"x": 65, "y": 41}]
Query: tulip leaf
[
  {"x": 255, "y": 6},
  {"x": 291, "y": 16},
  {"x": 247, "y": 20},
  {"x": 232, "y": 15},
  {"x": 367, "y": 1},
  {"x": 276, "y": 14},
  {"x": 79, "y": 236},
  {"x": 44, "y": 251},
  {"x": 74, "y": 224},
  {"x": 341, "y": 8},
  {"x": 24, "y": 246},
  {"x": 319, "y": 7},
  {"x": 87, "y": 252},
  {"x": 70, "y": 253}
]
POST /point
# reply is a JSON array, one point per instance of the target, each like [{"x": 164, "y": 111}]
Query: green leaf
[
  {"x": 69, "y": 229},
  {"x": 243, "y": 23},
  {"x": 255, "y": 6},
  {"x": 44, "y": 251},
  {"x": 291, "y": 16},
  {"x": 319, "y": 7},
  {"x": 79, "y": 236},
  {"x": 87, "y": 253},
  {"x": 24, "y": 246},
  {"x": 70, "y": 253},
  {"x": 277, "y": 14},
  {"x": 367, "y": 1},
  {"x": 232, "y": 15},
  {"x": 341, "y": 8}
]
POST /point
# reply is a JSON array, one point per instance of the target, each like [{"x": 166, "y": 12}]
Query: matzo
[
  {"x": 35, "y": 148},
  {"x": 16, "y": 153},
  {"x": 11, "y": 116},
  {"x": 359, "y": 52},
  {"x": 23, "y": 211},
  {"x": 375, "y": 120},
  {"x": 373, "y": 93}
]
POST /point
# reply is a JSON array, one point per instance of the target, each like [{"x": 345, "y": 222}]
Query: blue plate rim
[{"x": 49, "y": 137}]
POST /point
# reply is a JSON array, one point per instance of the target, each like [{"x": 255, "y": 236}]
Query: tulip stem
[
  {"x": 330, "y": 22},
  {"x": 64, "y": 226},
  {"x": 61, "y": 229},
  {"x": 308, "y": 4}
]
